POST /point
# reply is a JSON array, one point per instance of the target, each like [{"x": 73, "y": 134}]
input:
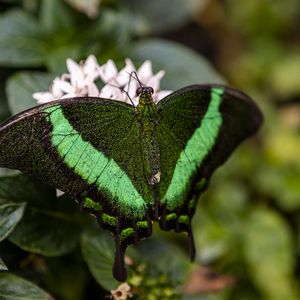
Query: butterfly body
[
  {"x": 127, "y": 165},
  {"x": 147, "y": 117}
]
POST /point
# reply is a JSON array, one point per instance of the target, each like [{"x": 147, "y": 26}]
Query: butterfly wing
[
  {"x": 91, "y": 149},
  {"x": 198, "y": 128}
]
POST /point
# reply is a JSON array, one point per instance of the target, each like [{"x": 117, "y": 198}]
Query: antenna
[
  {"x": 126, "y": 92},
  {"x": 136, "y": 77}
]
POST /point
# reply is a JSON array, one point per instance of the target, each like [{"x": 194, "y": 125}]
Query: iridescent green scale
[{"x": 130, "y": 166}]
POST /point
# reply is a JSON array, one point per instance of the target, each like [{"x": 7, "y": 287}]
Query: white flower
[
  {"x": 122, "y": 292},
  {"x": 81, "y": 81}
]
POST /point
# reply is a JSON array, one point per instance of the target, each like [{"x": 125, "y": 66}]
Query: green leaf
[
  {"x": 68, "y": 277},
  {"x": 157, "y": 16},
  {"x": 4, "y": 110},
  {"x": 56, "y": 17},
  {"x": 14, "y": 287},
  {"x": 20, "y": 43},
  {"x": 56, "y": 62},
  {"x": 10, "y": 215},
  {"x": 269, "y": 253},
  {"x": 183, "y": 66},
  {"x": 168, "y": 257},
  {"x": 21, "y": 86},
  {"x": 250, "y": 19},
  {"x": 212, "y": 239},
  {"x": 50, "y": 226},
  {"x": 279, "y": 172},
  {"x": 284, "y": 78},
  {"x": 283, "y": 186},
  {"x": 3, "y": 267},
  {"x": 15, "y": 23},
  {"x": 49, "y": 233},
  {"x": 203, "y": 297},
  {"x": 98, "y": 251},
  {"x": 7, "y": 172}
]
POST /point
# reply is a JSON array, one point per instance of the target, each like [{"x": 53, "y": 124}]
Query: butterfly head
[
  {"x": 145, "y": 95},
  {"x": 144, "y": 90}
]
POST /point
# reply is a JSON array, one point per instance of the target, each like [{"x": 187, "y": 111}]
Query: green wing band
[
  {"x": 195, "y": 151},
  {"x": 93, "y": 166}
]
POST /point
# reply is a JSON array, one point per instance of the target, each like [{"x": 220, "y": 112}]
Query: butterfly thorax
[
  {"x": 147, "y": 117},
  {"x": 146, "y": 111}
]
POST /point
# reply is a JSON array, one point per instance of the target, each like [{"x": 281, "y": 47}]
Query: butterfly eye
[
  {"x": 151, "y": 90},
  {"x": 138, "y": 91}
]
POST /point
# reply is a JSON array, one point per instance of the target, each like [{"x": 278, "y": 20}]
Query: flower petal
[
  {"x": 43, "y": 97},
  {"x": 145, "y": 71},
  {"x": 124, "y": 75},
  {"x": 93, "y": 90},
  {"x": 110, "y": 92},
  {"x": 108, "y": 71},
  {"x": 122, "y": 292},
  {"x": 76, "y": 73},
  {"x": 56, "y": 89},
  {"x": 63, "y": 85},
  {"x": 154, "y": 81},
  {"x": 91, "y": 68},
  {"x": 160, "y": 95},
  {"x": 131, "y": 88},
  {"x": 70, "y": 95}
]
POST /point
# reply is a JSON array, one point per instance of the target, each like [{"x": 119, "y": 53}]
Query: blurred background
[{"x": 247, "y": 226}]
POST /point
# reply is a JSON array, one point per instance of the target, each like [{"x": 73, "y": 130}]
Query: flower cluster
[{"x": 82, "y": 79}]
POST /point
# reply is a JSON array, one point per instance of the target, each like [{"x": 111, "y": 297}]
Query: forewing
[
  {"x": 198, "y": 128},
  {"x": 90, "y": 148}
]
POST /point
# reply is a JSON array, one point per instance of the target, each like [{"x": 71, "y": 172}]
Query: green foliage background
[{"x": 247, "y": 227}]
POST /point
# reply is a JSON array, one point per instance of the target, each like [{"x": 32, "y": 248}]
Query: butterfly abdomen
[{"x": 147, "y": 116}]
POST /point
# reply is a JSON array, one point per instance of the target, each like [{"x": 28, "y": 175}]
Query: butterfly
[{"x": 132, "y": 165}]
